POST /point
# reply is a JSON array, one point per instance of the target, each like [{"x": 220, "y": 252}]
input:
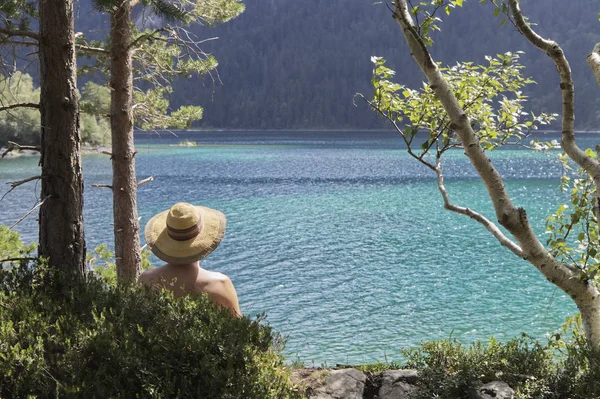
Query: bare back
[{"x": 192, "y": 279}]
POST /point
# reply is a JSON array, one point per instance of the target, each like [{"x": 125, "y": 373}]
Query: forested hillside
[{"x": 297, "y": 64}]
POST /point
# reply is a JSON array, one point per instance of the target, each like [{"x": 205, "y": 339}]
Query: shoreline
[
  {"x": 213, "y": 130},
  {"x": 85, "y": 150}
]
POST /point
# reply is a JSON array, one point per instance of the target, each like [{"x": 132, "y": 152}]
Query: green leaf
[{"x": 591, "y": 153}]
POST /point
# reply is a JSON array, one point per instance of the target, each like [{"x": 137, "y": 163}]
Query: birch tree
[
  {"x": 61, "y": 237},
  {"x": 158, "y": 55},
  {"x": 576, "y": 276}
]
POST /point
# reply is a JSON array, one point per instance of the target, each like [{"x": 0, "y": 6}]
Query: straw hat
[{"x": 185, "y": 233}]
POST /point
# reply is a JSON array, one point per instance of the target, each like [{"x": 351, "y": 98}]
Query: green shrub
[
  {"x": 11, "y": 246},
  {"x": 450, "y": 370},
  {"x": 66, "y": 338},
  {"x": 101, "y": 261},
  {"x": 578, "y": 371},
  {"x": 565, "y": 367}
]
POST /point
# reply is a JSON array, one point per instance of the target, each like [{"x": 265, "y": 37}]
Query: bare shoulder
[
  {"x": 217, "y": 282},
  {"x": 220, "y": 289},
  {"x": 219, "y": 278},
  {"x": 149, "y": 275}
]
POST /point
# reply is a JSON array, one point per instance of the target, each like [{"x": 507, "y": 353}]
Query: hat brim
[{"x": 213, "y": 225}]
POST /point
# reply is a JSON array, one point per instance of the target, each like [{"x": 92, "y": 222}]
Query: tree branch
[
  {"x": 20, "y": 33},
  {"x": 16, "y": 259},
  {"x": 102, "y": 186},
  {"x": 19, "y": 43},
  {"x": 92, "y": 50},
  {"x": 488, "y": 224},
  {"x": 12, "y": 146},
  {"x": 15, "y": 184},
  {"x": 146, "y": 36},
  {"x": 593, "y": 60},
  {"x": 29, "y": 213},
  {"x": 550, "y": 47},
  {"x": 20, "y": 105},
  {"x": 148, "y": 180}
]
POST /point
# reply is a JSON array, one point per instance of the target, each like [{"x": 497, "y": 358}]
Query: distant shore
[
  {"x": 28, "y": 153},
  {"x": 209, "y": 130}
]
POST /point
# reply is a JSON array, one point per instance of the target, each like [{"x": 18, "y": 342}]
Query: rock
[
  {"x": 337, "y": 384},
  {"x": 494, "y": 390},
  {"x": 398, "y": 384}
]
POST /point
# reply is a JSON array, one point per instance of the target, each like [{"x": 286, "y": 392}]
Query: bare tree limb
[
  {"x": 488, "y": 224},
  {"x": 593, "y": 60},
  {"x": 147, "y": 180},
  {"x": 20, "y": 33},
  {"x": 102, "y": 186},
  {"x": 12, "y": 146},
  {"x": 15, "y": 184},
  {"x": 92, "y": 50},
  {"x": 20, "y": 43},
  {"x": 147, "y": 36},
  {"x": 29, "y": 213},
  {"x": 20, "y": 105}
]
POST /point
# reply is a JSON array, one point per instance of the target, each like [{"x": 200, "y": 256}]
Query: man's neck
[{"x": 193, "y": 265}]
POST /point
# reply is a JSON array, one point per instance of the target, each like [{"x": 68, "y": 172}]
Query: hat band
[{"x": 184, "y": 234}]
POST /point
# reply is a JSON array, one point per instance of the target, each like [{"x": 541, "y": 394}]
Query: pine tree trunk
[
  {"x": 126, "y": 224},
  {"x": 61, "y": 215}
]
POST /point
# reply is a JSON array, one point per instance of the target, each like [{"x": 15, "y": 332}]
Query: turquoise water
[{"x": 340, "y": 237}]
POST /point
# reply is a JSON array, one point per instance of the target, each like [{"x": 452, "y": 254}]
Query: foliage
[
  {"x": 22, "y": 124},
  {"x": 491, "y": 95},
  {"x": 62, "y": 337},
  {"x": 578, "y": 371},
  {"x": 565, "y": 367},
  {"x": 18, "y": 13},
  {"x": 572, "y": 228},
  {"x": 429, "y": 22},
  {"x": 166, "y": 53},
  {"x": 102, "y": 262},
  {"x": 95, "y": 100},
  {"x": 450, "y": 370},
  {"x": 151, "y": 112},
  {"x": 11, "y": 245}
]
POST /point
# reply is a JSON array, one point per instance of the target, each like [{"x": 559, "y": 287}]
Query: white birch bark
[
  {"x": 514, "y": 219},
  {"x": 593, "y": 60}
]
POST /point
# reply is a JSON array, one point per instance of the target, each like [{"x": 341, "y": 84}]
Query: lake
[{"x": 341, "y": 237}]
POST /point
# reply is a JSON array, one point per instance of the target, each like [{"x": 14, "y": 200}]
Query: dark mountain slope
[{"x": 297, "y": 64}]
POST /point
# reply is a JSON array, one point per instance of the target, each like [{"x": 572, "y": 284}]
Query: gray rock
[
  {"x": 494, "y": 390},
  {"x": 341, "y": 384},
  {"x": 397, "y": 384}
]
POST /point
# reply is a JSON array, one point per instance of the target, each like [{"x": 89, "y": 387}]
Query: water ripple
[{"x": 341, "y": 239}]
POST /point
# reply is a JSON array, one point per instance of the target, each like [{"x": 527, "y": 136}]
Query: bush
[
  {"x": 61, "y": 337},
  {"x": 578, "y": 371},
  {"x": 450, "y": 370},
  {"x": 565, "y": 367},
  {"x": 11, "y": 246}
]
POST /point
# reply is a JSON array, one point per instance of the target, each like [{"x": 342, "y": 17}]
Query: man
[{"x": 181, "y": 236}]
